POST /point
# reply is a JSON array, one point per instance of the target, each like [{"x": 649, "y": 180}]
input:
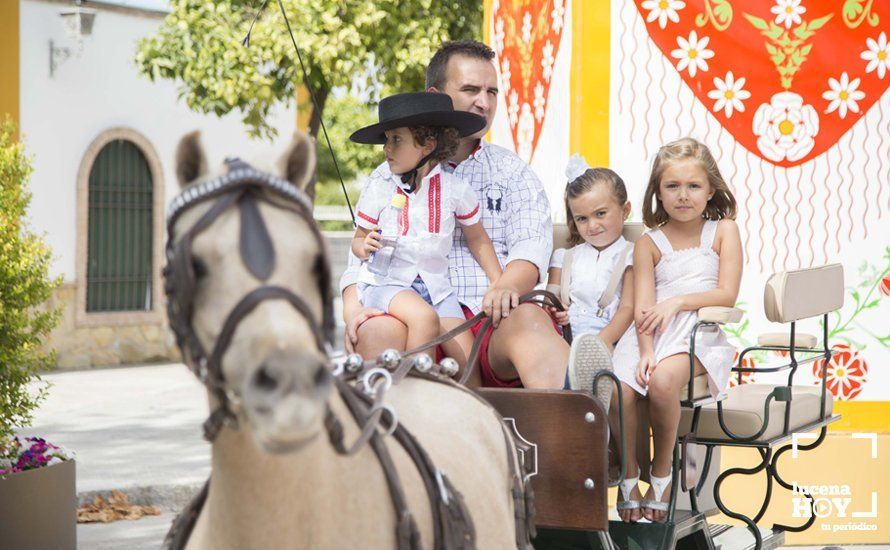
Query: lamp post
[{"x": 78, "y": 22}]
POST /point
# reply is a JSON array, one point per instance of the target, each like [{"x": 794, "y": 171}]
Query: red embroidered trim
[
  {"x": 468, "y": 216},
  {"x": 366, "y": 217},
  {"x": 434, "y": 204},
  {"x": 404, "y": 220}
]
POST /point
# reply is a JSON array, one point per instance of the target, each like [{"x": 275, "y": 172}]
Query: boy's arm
[
  {"x": 364, "y": 242},
  {"x": 480, "y": 245},
  {"x": 624, "y": 316}
]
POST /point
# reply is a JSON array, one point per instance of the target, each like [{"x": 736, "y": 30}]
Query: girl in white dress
[
  {"x": 690, "y": 259},
  {"x": 596, "y": 207}
]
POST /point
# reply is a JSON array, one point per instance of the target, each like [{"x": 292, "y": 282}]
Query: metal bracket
[{"x": 527, "y": 451}]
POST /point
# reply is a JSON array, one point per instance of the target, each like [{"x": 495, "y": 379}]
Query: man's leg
[{"x": 526, "y": 345}]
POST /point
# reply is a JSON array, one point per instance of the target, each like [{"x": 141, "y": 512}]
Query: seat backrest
[
  {"x": 632, "y": 231},
  {"x": 803, "y": 293}
]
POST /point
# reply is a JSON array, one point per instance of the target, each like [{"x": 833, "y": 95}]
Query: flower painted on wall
[
  {"x": 662, "y": 10},
  {"x": 885, "y": 285},
  {"x": 747, "y": 377},
  {"x": 788, "y": 12},
  {"x": 845, "y": 374},
  {"x": 843, "y": 95},
  {"x": 692, "y": 53},
  {"x": 785, "y": 127},
  {"x": 729, "y": 94},
  {"x": 877, "y": 55}
]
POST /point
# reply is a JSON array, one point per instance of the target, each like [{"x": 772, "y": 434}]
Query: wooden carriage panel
[{"x": 571, "y": 449}]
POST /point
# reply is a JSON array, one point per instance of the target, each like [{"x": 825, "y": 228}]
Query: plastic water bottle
[{"x": 379, "y": 261}]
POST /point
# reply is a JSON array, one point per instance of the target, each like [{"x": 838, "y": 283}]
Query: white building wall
[{"x": 95, "y": 91}]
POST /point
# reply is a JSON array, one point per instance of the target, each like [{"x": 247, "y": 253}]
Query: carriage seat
[{"x": 789, "y": 297}]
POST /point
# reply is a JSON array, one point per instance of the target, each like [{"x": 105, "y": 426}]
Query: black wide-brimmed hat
[{"x": 417, "y": 109}]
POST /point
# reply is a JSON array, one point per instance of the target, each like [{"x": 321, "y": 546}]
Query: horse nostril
[{"x": 263, "y": 380}]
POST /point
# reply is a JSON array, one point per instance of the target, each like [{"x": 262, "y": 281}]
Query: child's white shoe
[{"x": 589, "y": 355}]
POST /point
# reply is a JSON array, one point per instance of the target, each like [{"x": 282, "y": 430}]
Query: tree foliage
[
  {"x": 24, "y": 287},
  {"x": 199, "y": 45}
]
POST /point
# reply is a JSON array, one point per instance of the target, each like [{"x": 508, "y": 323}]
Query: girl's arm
[
  {"x": 644, "y": 289},
  {"x": 554, "y": 278},
  {"x": 624, "y": 316},
  {"x": 365, "y": 241},
  {"x": 729, "y": 248},
  {"x": 480, "y": 245}
]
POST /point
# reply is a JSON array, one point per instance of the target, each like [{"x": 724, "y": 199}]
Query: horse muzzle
[{"x": 284, "y": 399}]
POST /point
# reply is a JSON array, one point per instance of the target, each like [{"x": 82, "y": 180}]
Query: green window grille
[{"x": 120, "y": 219}]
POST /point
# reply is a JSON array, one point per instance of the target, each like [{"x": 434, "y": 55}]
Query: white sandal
[
  {"x": 626, "y": 486},
  {"x": 659, "y": 485}
]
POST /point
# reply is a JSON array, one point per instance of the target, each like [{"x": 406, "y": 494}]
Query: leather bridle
[{"x": 241, "y": 186}]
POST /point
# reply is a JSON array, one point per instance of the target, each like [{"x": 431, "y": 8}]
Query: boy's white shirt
[
  {"x": 591, "y": 271},
  {"x": 427, "y": 227}
]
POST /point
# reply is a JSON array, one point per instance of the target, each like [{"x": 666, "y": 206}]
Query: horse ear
[
  {"x": 298, "y": 163},
  {"x": 191, "y": 162}
]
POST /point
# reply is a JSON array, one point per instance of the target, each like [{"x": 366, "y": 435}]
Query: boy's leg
[
  {"x": 420, "y": 317},
  {"x": 665, "y": 384},
  {"x": 629, "y": 398},
  {"x": 458, "y": 348}
]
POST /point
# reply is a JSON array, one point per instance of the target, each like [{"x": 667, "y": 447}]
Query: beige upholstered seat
[
  {"x": 783, "y": 339},
  {"x": 699, "y": 388},
  {"x": 804, "y": 293},
  {"x": 743, "y": 412}
]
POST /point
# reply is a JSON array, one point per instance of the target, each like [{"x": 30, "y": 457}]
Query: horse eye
[{"x": 199, "y": 267}]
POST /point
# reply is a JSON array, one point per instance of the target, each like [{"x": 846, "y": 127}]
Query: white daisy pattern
[
  {"x": 843, "y": 95},
  {"x": 527, "y": 27},
  {"x": 506, "y": 73},
  {"x": 692, "y": 53},
  {"x": 788, "y": 12},
  {"x": 513, "y": 107},
  {"x": 730, "y": 94},
  {"x": 785, "y": 127},
  {"x": 539, "y": 102},
  {"x": 499, "y": 35},
  {"x": 663, "y": 10},
  {"x": 877, "y": 55},
  {"x": 558, "y": 14},
  {"x": 547, "y": 61}
]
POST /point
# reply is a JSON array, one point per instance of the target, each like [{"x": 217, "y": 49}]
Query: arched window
[{"x": 120, "y": 238}]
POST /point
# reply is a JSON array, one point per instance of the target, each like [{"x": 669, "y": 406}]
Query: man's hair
[{"x": 435, "y": 71}]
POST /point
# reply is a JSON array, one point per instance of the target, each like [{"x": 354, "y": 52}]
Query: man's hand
[
  {"x": 498, "y": 302},
  {"x": 351, "y": 336}
]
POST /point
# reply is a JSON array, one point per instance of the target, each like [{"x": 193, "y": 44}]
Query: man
[{"x": 523, "y": 347}]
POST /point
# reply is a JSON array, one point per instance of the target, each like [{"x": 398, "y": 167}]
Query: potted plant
[{"x": 38, "y": 499}]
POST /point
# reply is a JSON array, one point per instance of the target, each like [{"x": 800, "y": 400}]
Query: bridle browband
[{"x": 241, "y": 185}]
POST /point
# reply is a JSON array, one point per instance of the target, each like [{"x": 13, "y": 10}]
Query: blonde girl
[{"x": 691, "y": 258}]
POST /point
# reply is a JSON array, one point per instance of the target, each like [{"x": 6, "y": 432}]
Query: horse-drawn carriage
[{"x": 364, "y": 455}]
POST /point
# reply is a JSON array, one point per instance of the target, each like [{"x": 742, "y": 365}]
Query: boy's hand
[
  {"x": 372, "y": 242},
  {"x": 561, "y": 317}
]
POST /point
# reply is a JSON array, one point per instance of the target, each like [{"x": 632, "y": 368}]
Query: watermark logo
[{"x": 835, "y": 501}]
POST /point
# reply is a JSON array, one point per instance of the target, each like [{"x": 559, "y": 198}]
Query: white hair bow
[{"x": 575, "y": 167}]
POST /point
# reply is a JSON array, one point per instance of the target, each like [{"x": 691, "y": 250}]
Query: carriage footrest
[{"x": 731, "y": 537}]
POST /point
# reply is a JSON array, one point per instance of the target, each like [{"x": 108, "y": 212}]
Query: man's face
[{"x": 473, "y": 86}]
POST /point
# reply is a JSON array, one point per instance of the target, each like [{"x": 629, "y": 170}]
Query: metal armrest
[{"x": 720, "y": 315}]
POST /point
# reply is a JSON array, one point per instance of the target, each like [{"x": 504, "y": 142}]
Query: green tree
[
  {"x": 24, "y": 287},
  {"x": 199, "y": 45}
]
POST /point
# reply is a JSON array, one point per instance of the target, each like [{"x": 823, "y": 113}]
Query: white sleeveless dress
[{"x": 679, "y": 272}]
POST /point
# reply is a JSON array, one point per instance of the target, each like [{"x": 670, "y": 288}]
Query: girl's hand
[
  {"x": 372, "y": 242},
  {"x": 658, "y": 317},
  {"x": 561, "y": 317},
  {"x": 351, "y": 333},
  {"x": 645, "y": 368}
]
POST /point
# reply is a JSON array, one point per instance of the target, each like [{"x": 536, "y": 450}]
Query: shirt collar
[
  {"x": 611, "y": 250},
  {"x": 423, "y": 183},
  {"x": 476, "y": 154}
]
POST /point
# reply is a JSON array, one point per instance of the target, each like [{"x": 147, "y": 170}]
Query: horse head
[{"x": 248, "y": 288}]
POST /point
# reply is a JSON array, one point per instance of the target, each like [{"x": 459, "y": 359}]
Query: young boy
[{"x": 405, "y": 222}]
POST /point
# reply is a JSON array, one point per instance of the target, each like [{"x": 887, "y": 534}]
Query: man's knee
[{"x": 528, "y": 317}]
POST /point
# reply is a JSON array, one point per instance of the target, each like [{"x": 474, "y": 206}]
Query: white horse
[{"x": 277, "y": 481}]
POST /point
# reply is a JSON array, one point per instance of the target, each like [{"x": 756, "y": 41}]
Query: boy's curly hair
[{"x": 450, "y": 139}]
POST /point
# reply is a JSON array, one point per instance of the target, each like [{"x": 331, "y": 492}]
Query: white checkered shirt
[{"x": 515, "y": 214}]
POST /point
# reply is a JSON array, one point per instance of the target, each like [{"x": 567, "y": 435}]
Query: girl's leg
[
  {"x": 420, "y": 317},
  {"x": 665, "y": 384},
  {"x": 458, "y": 348},
  {"x": 629, "y": 397}
]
